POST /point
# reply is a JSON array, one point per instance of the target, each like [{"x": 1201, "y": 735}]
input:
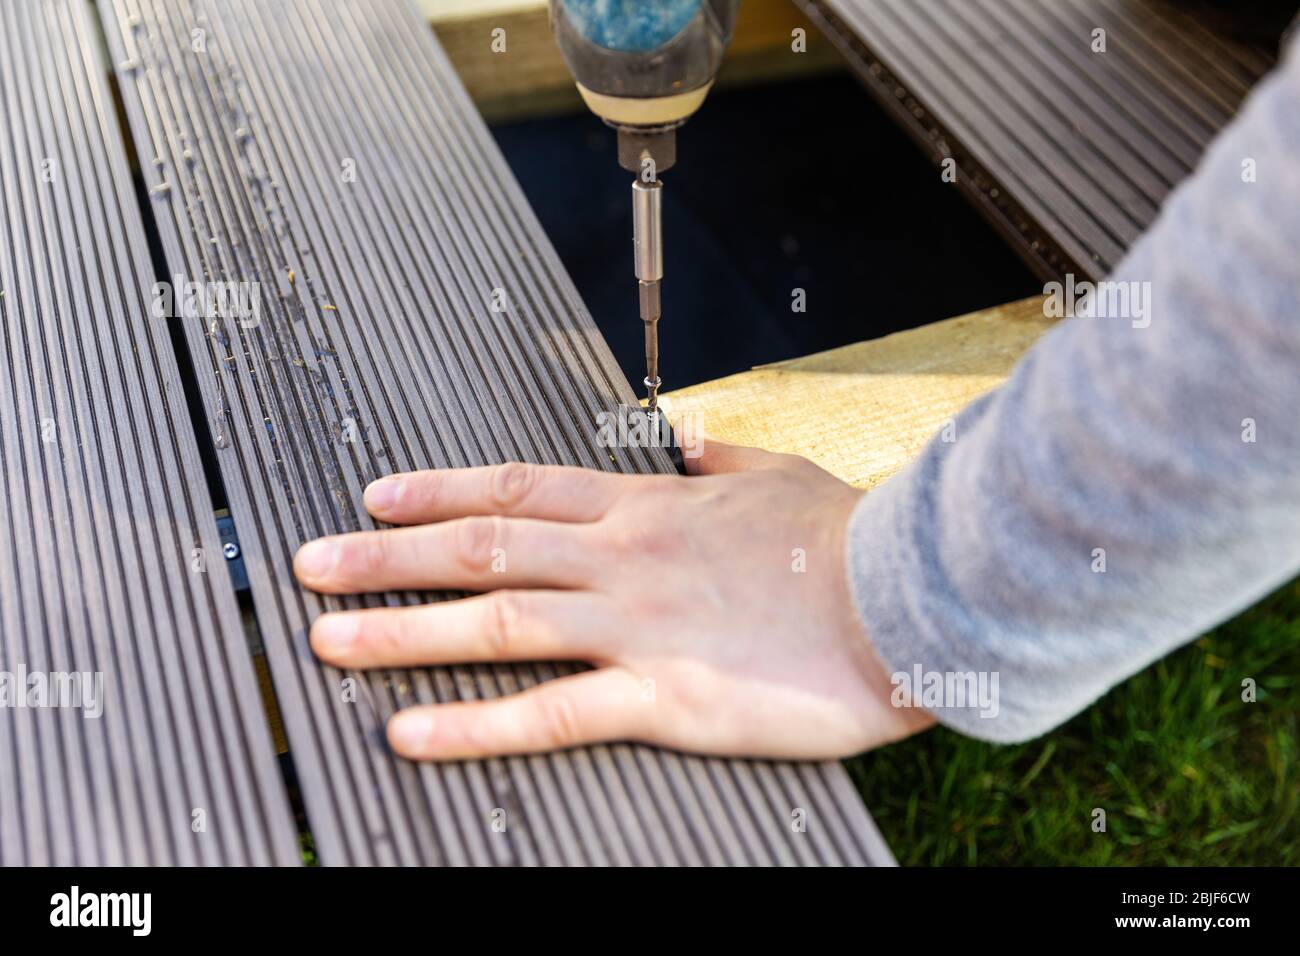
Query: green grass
[{"x": 1186, "y": 771}]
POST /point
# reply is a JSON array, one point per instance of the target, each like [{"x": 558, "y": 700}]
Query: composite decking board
[
  {"x": 103, "y": 502},
  {"x": 387, "y": 321},
  {"x": 1069, "y": 152}
]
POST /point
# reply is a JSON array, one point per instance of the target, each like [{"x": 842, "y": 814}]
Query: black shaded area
[
  {"x": 1262, "y": 21},
  {"x": 805, "y": 185}
]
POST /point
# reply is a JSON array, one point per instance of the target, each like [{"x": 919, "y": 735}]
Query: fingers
[
  {"x": 719, "y": 457},
  {"x": 501, "y": 626},
  {"x": 590, "y": 707},
  {"x": 548, "y": 492},
  {"x": 475, "y": 554}
]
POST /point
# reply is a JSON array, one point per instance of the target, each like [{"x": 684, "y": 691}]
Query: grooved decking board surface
[
  {"x": 327, "y": 152},
  {"x": 102, "y": 505},
  {"x": 1069, "y": 152}
]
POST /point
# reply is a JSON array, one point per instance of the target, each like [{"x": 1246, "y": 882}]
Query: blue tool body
[{"x": 632, "y": 26}]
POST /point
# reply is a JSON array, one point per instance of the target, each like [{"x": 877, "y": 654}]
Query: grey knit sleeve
[{"x": 1135, "y": 482}]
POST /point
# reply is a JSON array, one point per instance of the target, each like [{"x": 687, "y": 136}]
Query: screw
[{"x": 230, "y": 550}]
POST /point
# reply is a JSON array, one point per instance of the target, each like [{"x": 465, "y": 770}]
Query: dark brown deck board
[
  {"x": 102, "y": 505},
  {"x": 1069, "y": 153},
  {"x": 406, "y": 256}
]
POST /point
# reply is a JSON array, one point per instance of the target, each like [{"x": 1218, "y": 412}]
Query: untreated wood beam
[{"x": 864, "y": 411}]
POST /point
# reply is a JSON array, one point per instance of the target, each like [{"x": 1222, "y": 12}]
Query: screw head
[{"x": 230, "y": 550}]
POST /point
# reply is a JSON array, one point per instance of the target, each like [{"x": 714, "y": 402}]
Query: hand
[{"x": 715, "y": 608}]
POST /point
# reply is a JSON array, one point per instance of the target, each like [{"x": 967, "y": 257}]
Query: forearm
[{"x": 1167, "y": 454}]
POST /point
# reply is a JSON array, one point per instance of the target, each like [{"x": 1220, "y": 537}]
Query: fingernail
[
  {"x": 316, "y": 559},
  {"x": 335, "y": 632},
  {"x": 382, "y": 495},
  {"x": 410, "y": 734}
]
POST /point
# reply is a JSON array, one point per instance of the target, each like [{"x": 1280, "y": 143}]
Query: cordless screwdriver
[{"x": 644, "y": 67}]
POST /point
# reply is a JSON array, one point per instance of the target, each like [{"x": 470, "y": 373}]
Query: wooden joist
[{"x": 864, "y": 411}]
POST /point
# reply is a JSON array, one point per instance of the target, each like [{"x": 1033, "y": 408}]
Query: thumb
[
  {"x": 718, "y": 457},
  {"x": 704, "y": 454}
]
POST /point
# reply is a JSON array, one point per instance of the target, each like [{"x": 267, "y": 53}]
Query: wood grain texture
[{"x": 864, "y": 411}]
